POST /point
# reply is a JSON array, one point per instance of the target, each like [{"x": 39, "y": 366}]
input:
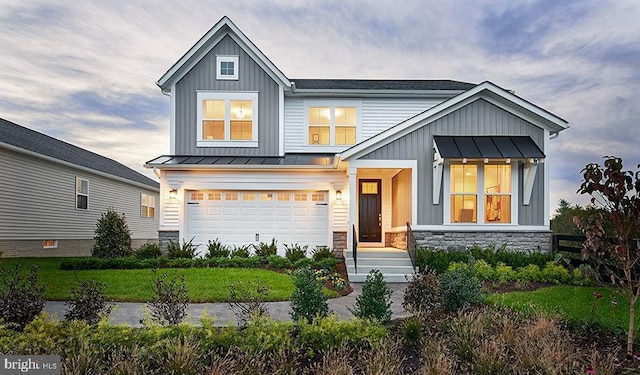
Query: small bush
[
  {"x": 21, "y": 299},
  {"x": 438, "y": 260},
  {"x": 375, "y": 301},
  {"x": 148, "y": 251},
  {"x": 530, "y": 273},
  {"x": 216, "y": 249},
  {"x": 295, "y": 252},
  {"x": 307, "y": 301},
  {"x": 322, "y": 252},
  {"x": 88, "y": 302},
  {"x": 412, "y": 330},
  {"x": 302, "y": 263},
  {"x": 331, "y": 332},
  {"x": 277, "y": 261},
  {"x": 240, "y": 251},
  {"x": 555, "y": 273},
  {"x": 246, "y": 262},
  {"x": 187, "y": 250},
  {"x": 326, "y": 263},
  {"x": 422, "y": 297},
  {"x": 483, "y": 270},
  {"x": 264, "y": 249},
  {"x": 505, "y": 273},
  {"x": 113, "y": 237},
  {"x": 247, "y": 299},
  {"x": 460, "y": 289},
  {"x": 171, "y": 300}
]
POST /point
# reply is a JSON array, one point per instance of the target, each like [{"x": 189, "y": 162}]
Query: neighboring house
[
  {"x": 53, "y": 193},
  {"x": 256, "y": 155}
]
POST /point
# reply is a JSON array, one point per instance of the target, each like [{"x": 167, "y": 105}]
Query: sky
[{"x": 85, "y": 71}]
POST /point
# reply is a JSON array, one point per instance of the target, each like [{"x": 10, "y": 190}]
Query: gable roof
[
  {"x": 487, "y": 91},
  {"x": 21, "y": 139},
  {"x": 209, "y": 40},
  {"x": 380, "y": 84}
]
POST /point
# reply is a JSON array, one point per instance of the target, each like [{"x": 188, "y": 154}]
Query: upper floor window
[
  {"x": 227, "y": 67},
  {"x": 227, "y": 119},
  {"x": 480, "y": 193},
  {"x": 332, "y": 124},
  {"x": 147, "y": 205},
  {"x": 82, "y": 193}
]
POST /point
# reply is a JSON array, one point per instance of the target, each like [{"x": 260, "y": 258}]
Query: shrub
[
  {"x": 422, "y": 296},
  {"x": 148, "y": 251},
  {"x": 530, "y": 273},
  {"x": 307, "y": 300},
  {"x": 88, "y": 302},
  {"x": 250, "y": 262},
  {"x": 412, "y": 330},
  {"x": 216, "y": 249},
  {"x": 459, "y": 289},
  {"x": 186, "y": 250},
  {"x": 171, "y": 300},
  {"x": 326, "y": 263},
  {"x": 277, "y": 261},
  {"x": 505, "y": 273},
  {"x": 438, "y": 260},
  {"x": 555, "y": 273},
  {"x": 303, "y": 263},
  {"x": 264, "y": 249},
  {"x": 113, "y": 237},
  {"x": 322, "y": 252},
  {"x": 247, "y": 299},
  {"x": 483, "y": 270},
  {"x": 323, "y": 275},
  {"x": 330, "y": 332},
  {"x": 240, "y": 251},
  {"x": 374, "y": 302},
  {"x": 21, "y": 299},
  {"x": 295, "y": 252}
]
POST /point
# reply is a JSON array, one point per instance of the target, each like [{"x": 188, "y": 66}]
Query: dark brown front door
[{"x": 370, "y": 211}]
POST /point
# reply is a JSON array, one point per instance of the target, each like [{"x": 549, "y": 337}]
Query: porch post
[{"x": 353, "y": 196}]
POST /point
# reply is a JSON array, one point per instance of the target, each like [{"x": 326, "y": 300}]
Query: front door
[{"x": 370, "y": 211}]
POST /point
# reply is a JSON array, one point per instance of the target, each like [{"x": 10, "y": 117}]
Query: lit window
[
  {"x": 82, "y": 194},
  {"x": 227, "y": 119},
  {"x": 464, "y": 193},
  {"x": 227, "y": 67},
  {"x": 50, "y": 244},
  {"x": 317, "y": 197},
  {"x": 284, "y": 197},
  {"x": 215, "y": 196},
  {"x": 196, "y": 196},
  {"x": 248, "y": 196},
  {"x": 332, "y": 125},
  {"x": 147, "y": 205},
  {"x": 231, "y": 196},
  {"x": 497, "y": 189},
  {"x": 266, "y": 197},
  {"x": 300, "y": 197}
]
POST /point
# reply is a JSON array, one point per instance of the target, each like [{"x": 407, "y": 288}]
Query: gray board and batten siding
[
  {"x": 251, "y": 78},
  {"x": 477, "y": 118}
]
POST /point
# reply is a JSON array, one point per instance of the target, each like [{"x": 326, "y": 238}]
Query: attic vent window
[{"x": 227, "y": 67}]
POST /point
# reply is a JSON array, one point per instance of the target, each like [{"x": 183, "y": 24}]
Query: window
[
  {"x": 248, "y": 196},
  {"x": 227, "y": 120},
  {"x": 284, "y": 197},
  {"x": 82, "y": 194},
  {"x": 300, "y": 197},
  {"x": 215, "y": 196},
  {"x": 317, "y": 197},
  {"x": 227, "y": 67},
  {"x": 231, "y": 196},
  {"x": 332, "y": 125},
  {"x": 196, "y": 196},
  {"x": 488, "y": 185},
  {"x": 266, "y": 197},
  {"x": 147, "y": 205},
  {"x": 50, "y": 244}
]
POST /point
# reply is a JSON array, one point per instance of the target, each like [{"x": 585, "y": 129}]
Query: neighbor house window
[
  {"x": 332, "y": 125},
  {"x": 147, "y": 205},
  {"x": 227, "y": 120},
  {"x": 472, "y": 185},
  {"x": 227, "y": 67},
  {"x": 82, "y": 193},
  {"x": 50, "y": 244}
]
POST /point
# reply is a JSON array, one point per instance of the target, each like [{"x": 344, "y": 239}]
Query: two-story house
[{"x": 348, "y": 164}]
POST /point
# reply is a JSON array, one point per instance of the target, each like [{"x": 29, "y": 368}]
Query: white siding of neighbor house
[
  {"x": 378, "y": 114},
  {"x": 38, "y": 201}
]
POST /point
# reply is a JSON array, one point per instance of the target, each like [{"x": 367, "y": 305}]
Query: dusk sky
[{"x": 85, "y": 71}]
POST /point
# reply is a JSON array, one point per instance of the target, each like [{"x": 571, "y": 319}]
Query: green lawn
[
  {"x": 203, "y": 284},
  {"x": 573, "y": 303}
]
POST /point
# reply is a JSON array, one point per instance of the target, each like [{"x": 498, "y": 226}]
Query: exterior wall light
[
  {"x": 339, "y": 195},
  {"x": 173, "y": 194}
]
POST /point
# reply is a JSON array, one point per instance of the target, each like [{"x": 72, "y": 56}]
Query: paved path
[{"x": 132, "y": 313}]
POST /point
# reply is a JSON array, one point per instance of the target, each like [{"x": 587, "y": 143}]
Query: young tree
[
  {"x": 612, "y": 232},
  {"x": 113, "y": 237}
]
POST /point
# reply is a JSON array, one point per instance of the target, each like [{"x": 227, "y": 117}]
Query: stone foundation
[
  {"x": 339, "y": 243},
  {"x": 164, "y": 236},
  {"x": 514, "y": 241},
  {"x": 65, "y": 248},
  {"x": 396, "y": 239}
]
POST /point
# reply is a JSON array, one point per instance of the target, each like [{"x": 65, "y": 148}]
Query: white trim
[
  {"x": 547, "y": 179},
  {"x": 224, "y": 58},
  {"x": 227, "y": 97},
  {"x": 172, "y": 122},
  {"x": 502, "y": 228},
  {"x": 331, "y": 104},
  {"x": 353, "y": 198},
  {"x": 80, "y": 179},
  {"x": 280, "y": 120}
]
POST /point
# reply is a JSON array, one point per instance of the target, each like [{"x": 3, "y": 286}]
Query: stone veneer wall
[
  {"x": 396, "y": 239},
  {"x": 164, "y": 236},
  {"x": 66, "y": 248},
  {"x": 339, "y": 243},
  {"x": 515, "y": 241}
]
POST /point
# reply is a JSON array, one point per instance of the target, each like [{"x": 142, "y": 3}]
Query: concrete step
[
  {"x": 390, "y": 278},
  {"x": 381, "y": 262},
  {"x": 385, "y": 270},
  {"x": 370, "y": 253}
]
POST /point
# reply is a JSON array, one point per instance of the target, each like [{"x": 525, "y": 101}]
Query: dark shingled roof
[
  {"x": 380, "y": 84},
  {"x": 286, "y": 160},
  {"x": 487, "y": 147},
  {"x": 19, "y": 136}
]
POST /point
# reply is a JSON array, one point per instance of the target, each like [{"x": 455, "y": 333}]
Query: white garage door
[{"x": 239, "y": 217}]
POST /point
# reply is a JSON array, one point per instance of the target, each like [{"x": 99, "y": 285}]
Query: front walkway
[{"x": 132, "y": 313}]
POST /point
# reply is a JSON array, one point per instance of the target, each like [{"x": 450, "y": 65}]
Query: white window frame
[
  {"x": 150, "y": 199},
  {"x": 227, "y": 97},
  {"x": 81, "y": 193},
  {"x": 480, "y": 196},
  {"x": 232, "y": 59},
  {"x": 332, "y": 104}
]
